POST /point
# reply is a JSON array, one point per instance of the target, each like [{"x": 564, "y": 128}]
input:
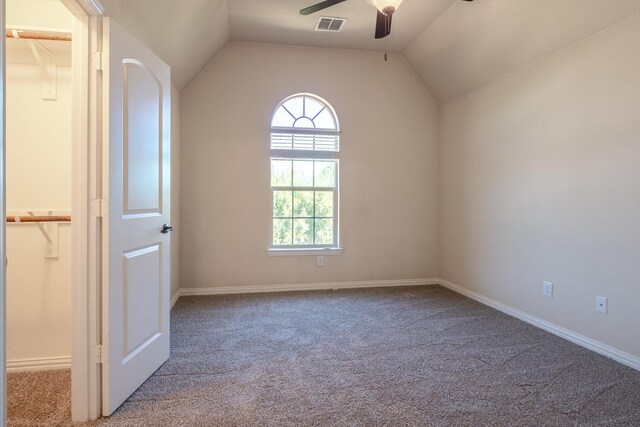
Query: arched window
[{"x": 305, "y": 146}]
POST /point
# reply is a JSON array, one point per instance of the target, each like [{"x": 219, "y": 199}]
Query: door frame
[
  {"x": 86, "y": 225},
  {"x": 3, "y": 354}
]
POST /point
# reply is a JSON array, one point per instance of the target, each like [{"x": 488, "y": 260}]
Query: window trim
[{"x": 304, "y": 251}]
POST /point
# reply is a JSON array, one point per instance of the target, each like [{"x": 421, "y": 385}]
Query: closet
[{"x": 38, "y": 187}]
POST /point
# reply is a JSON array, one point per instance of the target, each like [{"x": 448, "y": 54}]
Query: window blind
[{"x": 320, "y": 141}]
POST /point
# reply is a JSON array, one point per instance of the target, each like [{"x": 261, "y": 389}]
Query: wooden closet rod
[
  {"x": 38, "y": 35},
  {"x": 42, "y": 218}
]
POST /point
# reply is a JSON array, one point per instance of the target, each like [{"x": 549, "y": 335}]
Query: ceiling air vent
[{"x": 330, "y": 24}]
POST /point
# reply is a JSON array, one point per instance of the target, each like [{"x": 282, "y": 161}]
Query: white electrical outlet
[
  {"x": 601, "y": 304},
  {"x": 320, "y": 261},
  {"x": 547, "y": 289}
]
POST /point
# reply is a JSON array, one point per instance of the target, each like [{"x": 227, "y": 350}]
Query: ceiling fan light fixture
[{"x": 387, "y": 7}]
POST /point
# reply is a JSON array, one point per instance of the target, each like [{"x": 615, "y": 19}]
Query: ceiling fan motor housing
[
  {"x": 389, "y": 10},
  {"x": 388, "y": 7}
]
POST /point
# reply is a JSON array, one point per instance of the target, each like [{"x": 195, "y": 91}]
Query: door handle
[{"x": 166, "y": 228}]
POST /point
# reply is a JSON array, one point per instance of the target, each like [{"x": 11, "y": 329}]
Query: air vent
[{"x": 330, "y": 24}]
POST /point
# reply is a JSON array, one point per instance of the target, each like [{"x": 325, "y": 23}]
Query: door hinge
[
  {"x": 98, "y": 354},
  {"x": 99, "y": 208},
  {"x": 98, "y": 61}
]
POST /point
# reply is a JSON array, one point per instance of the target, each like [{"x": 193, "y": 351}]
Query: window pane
[
  {"x": 303, "y": 231},
  {"x": 324, "y": 231},
  {"x": 324, "y": 204},
  {"x": 281, "y": 173},
  {"x": 325, "y": 174},
  {"x": 282, "y": 204},
  {"x": 294, "y": 105},
  {"x": 325, "y": 120},
  {"x": 302, "y": 204},
  {"x": 282, "y": 118},
  {"x": 303, "y": 123},
  {"x": 282, "y": 232},
  {"x": 303, "y": 173},
  {"x": 312, "y": 107}
]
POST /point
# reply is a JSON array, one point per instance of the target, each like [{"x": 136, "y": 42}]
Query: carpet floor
[
  {"x": 419, "y": 356},
  {"x": 40, "y": 398}
]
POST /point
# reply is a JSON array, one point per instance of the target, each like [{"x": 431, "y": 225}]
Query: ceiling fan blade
[
  {"x": 383, "y": 25},
  {"x": 319, "y": 6}
]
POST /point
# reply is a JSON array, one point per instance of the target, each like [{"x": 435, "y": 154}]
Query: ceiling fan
[{"x": 386, "y": 9}]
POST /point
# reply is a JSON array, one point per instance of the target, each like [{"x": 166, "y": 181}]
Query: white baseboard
[
  {"x": 591, "y": 344},
  {"x": 39, "y": 364},
  {"x": 306, "y": 287},
  {"x": 174, "y": 299}
]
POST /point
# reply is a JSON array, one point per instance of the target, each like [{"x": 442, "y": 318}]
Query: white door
[{"x": 136, "y": 252}]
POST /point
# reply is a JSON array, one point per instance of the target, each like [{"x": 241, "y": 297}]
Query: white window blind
[{"x": 311, "y": 141}]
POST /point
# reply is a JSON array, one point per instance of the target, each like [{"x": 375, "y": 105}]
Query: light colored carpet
[
  {"x": 40, "y": 398},
  {"x": 376, "y": 357}
]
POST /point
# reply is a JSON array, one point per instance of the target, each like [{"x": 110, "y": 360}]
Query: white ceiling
[
  {"x": 454, "y": 46},
  {"x": 468, "y": 47}
]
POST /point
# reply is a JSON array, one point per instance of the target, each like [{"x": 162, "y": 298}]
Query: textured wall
[
  {"x": 388, "y": 169},
  {"x": 540, "y": 182}
]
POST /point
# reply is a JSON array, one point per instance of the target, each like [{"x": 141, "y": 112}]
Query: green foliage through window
[{"x": 303, "y": 213}]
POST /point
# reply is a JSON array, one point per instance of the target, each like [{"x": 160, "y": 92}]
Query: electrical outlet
[
  {"x": 601, "y": 304},
  {"x": 320, "y": 261},
  {"x": 547, "y": 289}
]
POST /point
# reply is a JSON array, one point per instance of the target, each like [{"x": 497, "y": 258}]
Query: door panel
[
  {"x": 143, "y": 140},
  {"x": 136, "y": 186},
  {"x": 142, "y": 298}
]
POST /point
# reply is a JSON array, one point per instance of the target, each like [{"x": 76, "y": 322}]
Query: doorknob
[{"x": 166, "y": 228}]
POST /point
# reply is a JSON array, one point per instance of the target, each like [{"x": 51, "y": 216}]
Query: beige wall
[
  {"x": 175, "y": 191},
  {"x": 388, "y": 167},
  {"x": 38, "y": 179},
  {"x": 540, "y": 181},
  {"x": 37, "y": 13}
]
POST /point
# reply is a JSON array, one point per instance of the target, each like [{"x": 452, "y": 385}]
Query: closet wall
[{"x": 38, "y": 180}]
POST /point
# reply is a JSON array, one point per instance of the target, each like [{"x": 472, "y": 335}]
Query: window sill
[{"x": 303, "y": 251}]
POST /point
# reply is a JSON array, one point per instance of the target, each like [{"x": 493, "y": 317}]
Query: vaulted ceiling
[{"x": 454, "y": 46}]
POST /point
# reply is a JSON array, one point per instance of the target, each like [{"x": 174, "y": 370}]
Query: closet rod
[
  {"x": 38, "y": 35},
  {"x": 42, "y": 218}
]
